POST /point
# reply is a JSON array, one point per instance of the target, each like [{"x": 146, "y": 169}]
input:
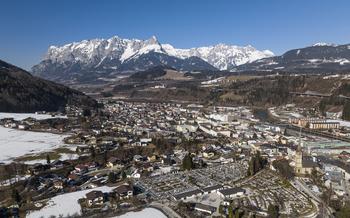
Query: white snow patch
[
  {"x": 66, "y": 204},
  {"x": 341, "y": 61},
  {"x": 331, "y": 76},
  {"x": 346, "y": 76},
  {"x": 217, "y": 80},
  {"x": 271, "y": 63},
  {"x": 15, "y": 143},
  {"x": 128, "y": 52},
  {"x": 314, "y": 60},
  {"x": 324, "y": 44},
  {"x": 145, "y": 213}
]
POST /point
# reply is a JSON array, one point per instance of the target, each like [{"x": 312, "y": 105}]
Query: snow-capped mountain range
[
  {"x": 115, "y": 55},
  {"x": 221, "y": 56},
  {"x": 318, "y": 58}
]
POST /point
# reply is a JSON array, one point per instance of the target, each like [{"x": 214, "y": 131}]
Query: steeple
[
  {"x": 299, "y": 148},
  {"x": 299, "y": 157}
]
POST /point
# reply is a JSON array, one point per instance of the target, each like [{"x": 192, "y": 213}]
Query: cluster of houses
[
  {"x": 225, "y": 135},
  {"x": 224, "y": 192},
  {"x": 173, "y": 119},
  {"x": 122, "y": 191},
  {"x": 32, "y": 123},
  {"x": 315, "y": 123},
  {"x": 15, "y": 124}
]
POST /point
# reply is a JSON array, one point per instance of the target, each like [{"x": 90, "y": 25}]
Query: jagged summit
[
  {"x": 105, "y": 56},
  {"x": 221, "y": 56}
]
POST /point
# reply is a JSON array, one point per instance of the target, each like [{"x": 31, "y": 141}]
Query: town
[
  {"x": 186, "y": 160},
  {"x": 174, "y": 109}
]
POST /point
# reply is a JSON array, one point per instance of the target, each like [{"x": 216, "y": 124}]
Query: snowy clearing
[
  {"x": 66, "y": 204},
  {"x": 15, "y": 143},
  {"x": 145, "y": 213}
]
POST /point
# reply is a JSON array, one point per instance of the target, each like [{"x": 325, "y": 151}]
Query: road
[
  {"x": 347, "y": 188},
  {"x": 170, "y": 213},
  {"x": 301, "y": 186}
]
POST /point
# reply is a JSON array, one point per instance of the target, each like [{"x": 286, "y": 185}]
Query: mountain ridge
[
  {"x": 114, "y": 55},
  {"x": 320, "y": 57}
]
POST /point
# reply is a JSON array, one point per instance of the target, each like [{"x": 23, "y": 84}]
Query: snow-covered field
[
  {"x": 15, "y": 143},
  {"x": 145, "y": 213},
  {"x": 22, "y": 116},
  {"x": 66, "y": 204}
]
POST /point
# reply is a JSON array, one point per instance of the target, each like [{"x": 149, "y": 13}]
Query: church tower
[{"x": 299, "y": 157}]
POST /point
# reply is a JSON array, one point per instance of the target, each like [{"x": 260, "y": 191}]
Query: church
[{"x": 304, "y": 164}]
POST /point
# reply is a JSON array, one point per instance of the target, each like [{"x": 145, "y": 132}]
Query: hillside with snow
[{"x": 318, "y": 58}]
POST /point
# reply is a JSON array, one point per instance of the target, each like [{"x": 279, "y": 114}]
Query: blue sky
[{"x": 28, "y": 27}]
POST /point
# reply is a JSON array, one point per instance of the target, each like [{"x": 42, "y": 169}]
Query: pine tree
[
  {"x": 93, "y": 152},
  {"x": 273, "y": 211},
  {"x": 105, "y": 157},
  {"x": 256, "y": 163},
  {"x": 112, "y": 178},
  {"x": 187, "y": 162},
  {"x": 346, "y": 111},
  {"x": 344, "y": 212},
  {"x": 124, "y": 175},
  {"x": 238, "y": 213},
  {"x": 48, "y": 159},
  {"x": 230, "y": 211},
  {"x": 15, "y": 196}
]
